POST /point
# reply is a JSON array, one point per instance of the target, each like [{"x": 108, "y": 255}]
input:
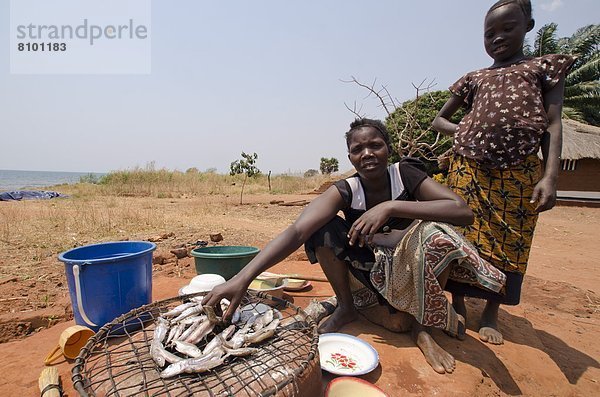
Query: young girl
[
  {"x": 513, "y": 110},
  {"x": 408, "y": 277}
]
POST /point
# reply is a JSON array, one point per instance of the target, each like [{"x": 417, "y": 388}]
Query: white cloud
[{"x": 551, "y": 5}]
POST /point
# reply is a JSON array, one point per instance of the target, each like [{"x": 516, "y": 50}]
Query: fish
[
  {"x": 160, "y": 331},
  {"x": 200, "y": 332},
  {"x": 185, "y": 334},
  {"x": 178, "y": 310},
  {"x": 262, "y": 334},
  {"x": 263, "y": 320},
  {"x": 240, "y": 352},
  {"x": 194, "y": 365},
  {"x": 190, "y": 311},
  {"x": 237, "y": 340},
  {"x": 212, "y": 317},
  {"x": 188, "y": 349},
  {"x": 163, "y": 355},
  {"x": 175, "y": 332},
  {"x": 219, "y": 340}
]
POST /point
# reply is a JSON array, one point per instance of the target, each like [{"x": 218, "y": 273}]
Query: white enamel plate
[{"x": 343, "y": 354}]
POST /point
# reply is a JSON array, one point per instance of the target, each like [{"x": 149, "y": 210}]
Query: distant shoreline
[{"x": 20, "y": 179}]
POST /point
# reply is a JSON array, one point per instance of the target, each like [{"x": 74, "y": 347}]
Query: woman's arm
[
  {"x": 320, "y": 211},
  {"x": 545, "y": 190},
  {"x": 435, "y": 203},
  {"x": 442, "y": 123}
]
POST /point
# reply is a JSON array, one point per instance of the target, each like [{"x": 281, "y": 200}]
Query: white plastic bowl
[
  {"x": 202, "y": 283},
  {"x": 206, "y": 282}
]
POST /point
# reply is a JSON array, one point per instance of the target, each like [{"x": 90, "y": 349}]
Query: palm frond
[
  {"x": 572, "y": 113},
  {"x": 585, "y": 41},
  {"x": 589, "y": 71},
  {"x": 583, "y": 100},
  {"x": 545, "y": 41},
  {"x": 586, "y": 88}
]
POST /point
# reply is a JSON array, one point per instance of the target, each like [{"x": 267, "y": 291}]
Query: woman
[{"x": 380, "y": 204}]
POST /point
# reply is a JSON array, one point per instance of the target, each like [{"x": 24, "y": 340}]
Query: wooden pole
[{"x": 49, "y": 376}]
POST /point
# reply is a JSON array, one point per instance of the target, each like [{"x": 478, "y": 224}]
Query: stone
[{"x": 216, "y": 237}]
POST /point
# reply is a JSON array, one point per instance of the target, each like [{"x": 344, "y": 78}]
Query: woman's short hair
[{"x": 376, "y": 124}]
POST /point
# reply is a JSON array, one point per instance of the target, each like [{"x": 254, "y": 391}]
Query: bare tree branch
[
  {"x": 354, "y": 111},
  {"x": 411, "y": 135}
]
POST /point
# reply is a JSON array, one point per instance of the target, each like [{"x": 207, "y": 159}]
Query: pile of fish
[{"x": 180, "y": 332}]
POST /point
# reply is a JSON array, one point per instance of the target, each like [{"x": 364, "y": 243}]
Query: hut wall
[{"x": 585, "y": 177}]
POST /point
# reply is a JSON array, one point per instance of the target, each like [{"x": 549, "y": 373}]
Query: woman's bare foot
[
  {"x": 488, "y": 325},
  {"x": 340, "y": 317},
  {"x": 440, "y": 360}
]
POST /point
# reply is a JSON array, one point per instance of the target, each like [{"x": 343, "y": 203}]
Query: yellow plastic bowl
[
  {"x": 270, "y": 287},
  {"x": 347, "y": 386}
]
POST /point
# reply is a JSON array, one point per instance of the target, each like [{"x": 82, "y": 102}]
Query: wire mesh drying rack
[{"x": 116, "y": 360}]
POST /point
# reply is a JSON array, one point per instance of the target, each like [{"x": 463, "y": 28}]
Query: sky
[{"x": 263, "y": 76}]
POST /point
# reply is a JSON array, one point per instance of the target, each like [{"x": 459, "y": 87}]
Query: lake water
[{"x": 36, "y": 180}]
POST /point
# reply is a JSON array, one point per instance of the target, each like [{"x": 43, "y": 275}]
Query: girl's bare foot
[
  {"x": 488, "y": 325},
  {"x": 440, "y": 360},
  {"x": 340, "y": 317}
]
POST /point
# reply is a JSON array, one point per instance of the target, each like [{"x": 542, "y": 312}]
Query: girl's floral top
[{"x": 505, "y": 110}]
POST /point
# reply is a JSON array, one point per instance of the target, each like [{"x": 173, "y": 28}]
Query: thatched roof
[{"x": 580, "y": 141}]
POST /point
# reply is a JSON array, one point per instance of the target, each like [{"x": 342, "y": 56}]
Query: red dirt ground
[{"x": 551, "y": 346}]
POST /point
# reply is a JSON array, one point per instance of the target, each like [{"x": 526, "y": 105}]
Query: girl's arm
[
  {"x": 545, "y": 190},
  {"x": 442, "y": 123},
  {"x": 320, "y": 211},
  {"x": 436, "y": 203}
]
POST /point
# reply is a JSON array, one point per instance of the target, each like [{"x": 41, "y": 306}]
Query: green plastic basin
[{"x": 225, "y": 260}]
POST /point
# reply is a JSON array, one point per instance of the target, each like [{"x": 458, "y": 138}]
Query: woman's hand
[
  {"x": 233, "y": 290},
  {"x": 392, "y": 238},
  {"x": 545, "y": 195},
  {"x": 365, "y": 227}
]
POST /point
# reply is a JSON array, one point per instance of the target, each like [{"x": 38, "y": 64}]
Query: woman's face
[{"x": 368, "y": 152}]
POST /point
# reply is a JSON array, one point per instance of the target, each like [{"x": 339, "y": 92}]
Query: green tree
[
  {"x": 582, "y": 84},
  {"x": 329, "y": 165},
  {"x": 246, "y": 166}
]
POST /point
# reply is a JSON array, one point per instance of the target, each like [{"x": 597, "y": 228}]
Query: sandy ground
[{"x": 551, "y": 344}]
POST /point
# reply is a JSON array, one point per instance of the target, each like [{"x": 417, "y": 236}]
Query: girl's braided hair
[
  {"x": 376, "y": 124},
  {"x": 524, "y": 5}
]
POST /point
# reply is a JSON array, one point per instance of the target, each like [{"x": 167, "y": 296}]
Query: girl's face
[
  {"x": 368, "y": 152},
  {"x": 504, "y": 33}
]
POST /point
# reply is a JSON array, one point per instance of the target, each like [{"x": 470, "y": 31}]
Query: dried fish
[
  {"x": 201, "y": 332},
  {"x": 178, "y": 310},
  {"x": 185, "y": 326},
  {"x": 160, "y": 331},
  {"x": 262, "y": 334},
  {"x": 241, "y": 352},
  {"x": 263, "y": 320},
  {"x": 219, "y": 340},
  {"x": 175, "y": 332},
  {"x": 212, "y": 317},
  {"x": 190, "y": 311},
  {"x": 194, "y": 365},
  {"x": 185, "y": 334},
  {"x": 188, "y": 349}
]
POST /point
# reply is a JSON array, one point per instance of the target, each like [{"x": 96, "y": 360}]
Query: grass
[
  {"x": 136, "y": 205},
  {"x": 148, "y": 182}
]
